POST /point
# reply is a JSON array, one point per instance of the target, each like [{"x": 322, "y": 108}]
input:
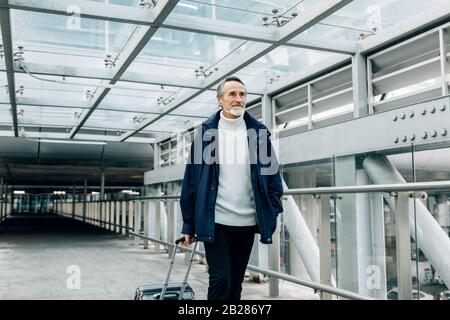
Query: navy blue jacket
[{"x": 201, "y": 180}]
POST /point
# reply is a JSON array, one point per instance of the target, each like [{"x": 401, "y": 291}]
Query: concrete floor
[{"x": 39, "y": 259}]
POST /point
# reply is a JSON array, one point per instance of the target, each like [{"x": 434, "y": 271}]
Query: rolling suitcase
[{"x": 169, "y": 291}]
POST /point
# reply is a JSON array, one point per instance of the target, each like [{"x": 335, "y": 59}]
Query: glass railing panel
[{"x": 432, "y": 218}]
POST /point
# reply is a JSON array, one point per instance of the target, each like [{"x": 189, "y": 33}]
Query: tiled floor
[{"x": 40, "y": 259}]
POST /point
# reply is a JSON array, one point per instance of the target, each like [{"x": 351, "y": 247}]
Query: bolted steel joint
[{"x": 418, "y": 195}]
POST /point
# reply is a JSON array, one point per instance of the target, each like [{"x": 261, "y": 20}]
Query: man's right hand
[{"x": 188, "y": 239}]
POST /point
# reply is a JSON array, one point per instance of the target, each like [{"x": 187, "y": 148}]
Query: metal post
[
  {"x": 370, "y": 96},
  {"x": 107, "y": 217},
  {"x": 347, "y": 248},
  {"x": 124, "y": 217},
  {"x": 130, "y": 216},
  {"x": 274, "y": 262},
  {"x": 2, "y": 210},
  {"x": 137, "y": 220},
  {"x": 73, "y": 202},
  {"x": 443, "y": 54},
  {"x": 102, "y": 197},
  {"x": 11, "y": 192},
  {"x": 403, "y": 247},
  {"x": 84, "y": 200},
  {"x": 156, "y": 156},
  {"x": 171, "y": 224},
  {"x": 110, "y": 215},
  {"x": 359, "y": 80},
  {"x": 377, "y": 226},
  {"x": 10, "y": 203},
  {"x": 267, "y": 111},
  {"x": 118, "y": 221},
  {"x": 310, "y": 106},
  {"x": 146, "y": 217},
  {"x": 325, "y": 245},
  {"x": 157, "y": 222}
]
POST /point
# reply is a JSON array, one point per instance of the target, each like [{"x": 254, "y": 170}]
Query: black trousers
[{"x": 227, "y": 259}]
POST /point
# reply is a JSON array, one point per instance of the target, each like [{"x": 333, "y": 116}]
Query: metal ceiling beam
[
  {"x": 5, "y": 25},
  {"x": 137, "y": 16},
  {"x": 134, "y": 46},
  {"x": 284, "y": 34}
]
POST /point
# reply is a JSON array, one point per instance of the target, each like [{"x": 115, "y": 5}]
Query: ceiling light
[
  {"x": 190, "y": 6},
  {"x": 69, "y": 141}
]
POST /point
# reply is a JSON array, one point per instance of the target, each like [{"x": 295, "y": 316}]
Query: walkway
[{"x": 40, "y": 256}]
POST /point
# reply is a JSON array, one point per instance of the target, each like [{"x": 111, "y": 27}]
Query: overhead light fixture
[
  {"x": 190, "y": 6},
  {"x": 69, "y": 141},
  {"x": 19, "y": 192},
  {"x": 59, "y": 192}
]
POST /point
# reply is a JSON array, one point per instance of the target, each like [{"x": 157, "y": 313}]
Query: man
[{"x": 231, "y": 190}]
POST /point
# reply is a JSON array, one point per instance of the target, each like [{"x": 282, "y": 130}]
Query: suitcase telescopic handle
[{"x": 183, "y": 286}]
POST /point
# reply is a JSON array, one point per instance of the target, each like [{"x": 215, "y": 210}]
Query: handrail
[
  {"x": 313, "y": 285},
  {"x": 96, "y": 220},
  {"x": 394, "y": 187}
]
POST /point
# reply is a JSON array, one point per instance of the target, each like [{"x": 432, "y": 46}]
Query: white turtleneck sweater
[{"x": 235, "y": 204}]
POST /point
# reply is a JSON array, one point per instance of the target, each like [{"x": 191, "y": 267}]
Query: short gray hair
[{"x": 222, "y": 84}]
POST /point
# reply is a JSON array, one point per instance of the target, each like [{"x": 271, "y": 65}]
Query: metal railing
[
  {"x": 278, "y": 275},
  {"x": 411, "y": 190},
  {"x": 96, "y": 220}
]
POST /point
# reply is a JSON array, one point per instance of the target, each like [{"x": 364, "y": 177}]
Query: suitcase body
[
  {"x": 153, "y": 292},
  {"x": 169, "y": 291}
]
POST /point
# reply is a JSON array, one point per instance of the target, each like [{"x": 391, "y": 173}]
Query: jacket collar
[{"x": 250, "y": 122}]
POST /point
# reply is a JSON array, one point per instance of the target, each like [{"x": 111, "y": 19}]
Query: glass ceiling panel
[
  {"x": 35, "y": 88},
  {"x": 5, "y": 115},
  {"x": 113, "y": 119},
  {"x": 180, "y": 53},
  {"x": 2, "y": 59},
  {"x": 46, "y": 116},
  {"x": 69, "y": 41},
  {"x": 120, "y": 121},
  {"x": 360, "y": 18},
  {"x": 173, "y": 123},
  {"x": 248, "y": 12},
  {"x": 145, "y": 97},
  {"x": 3, "y": 87},
  {"x": 279, "y": 64}
]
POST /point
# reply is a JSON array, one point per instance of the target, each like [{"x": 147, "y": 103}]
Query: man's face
[{"x": 233, "y": 99}]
